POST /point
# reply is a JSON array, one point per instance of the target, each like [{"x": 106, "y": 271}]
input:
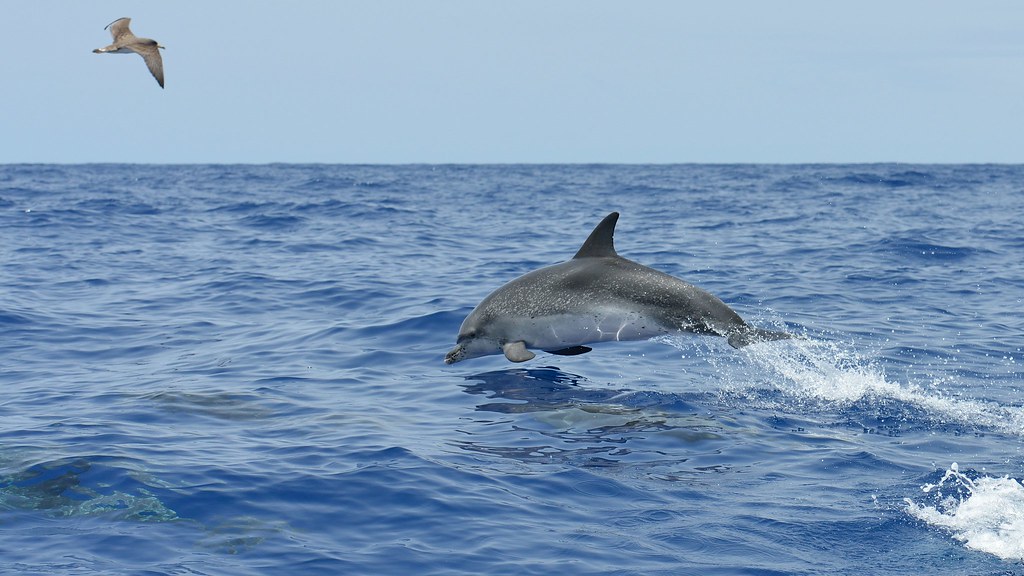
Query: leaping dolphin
[{"x": 595, "y": 297}]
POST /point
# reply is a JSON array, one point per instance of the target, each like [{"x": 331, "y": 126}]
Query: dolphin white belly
[{"x": 568, "y": 330}]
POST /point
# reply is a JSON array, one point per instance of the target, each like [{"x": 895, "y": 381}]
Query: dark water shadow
[
  {"x": 534, "y": 389},
  {"x": 86, "y": 486},
  {"x": 556, "y": 417}
]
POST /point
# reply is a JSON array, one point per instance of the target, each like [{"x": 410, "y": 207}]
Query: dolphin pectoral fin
[
  {"x": 516, "y": 351},
  {"x": 755, "y": 335},
  {"x": 571, "y": 351}
]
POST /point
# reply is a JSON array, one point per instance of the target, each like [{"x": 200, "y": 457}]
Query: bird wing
[
  {"x": 119, "y": 29},
  {"x": 151, "y": 54}
]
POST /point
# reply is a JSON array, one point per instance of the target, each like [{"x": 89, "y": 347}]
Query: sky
[{"x": 523, "y": 81}]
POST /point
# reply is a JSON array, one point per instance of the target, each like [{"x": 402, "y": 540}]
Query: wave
[
  {"x": 919, "y": 247},
  {"x": 885, "y": 176}
]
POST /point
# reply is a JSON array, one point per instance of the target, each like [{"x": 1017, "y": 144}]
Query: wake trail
[{"x": 807, "y": 369}]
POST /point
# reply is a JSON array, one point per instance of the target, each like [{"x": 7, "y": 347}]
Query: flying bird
[{"x": 127, "y": 43}]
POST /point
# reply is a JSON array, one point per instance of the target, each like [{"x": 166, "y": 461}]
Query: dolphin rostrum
[{"x": 597, "y": 296}]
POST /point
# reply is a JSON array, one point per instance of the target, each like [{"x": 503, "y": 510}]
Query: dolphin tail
[{"x": 754, "y": 335}]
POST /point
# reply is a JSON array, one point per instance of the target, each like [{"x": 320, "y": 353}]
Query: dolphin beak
[{"x": 456, "y": 354}]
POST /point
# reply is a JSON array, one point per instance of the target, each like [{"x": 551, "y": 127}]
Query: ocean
[{"x": 239, "y": 369}]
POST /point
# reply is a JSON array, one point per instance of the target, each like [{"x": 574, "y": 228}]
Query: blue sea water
[{"x": 220, "y": 369}]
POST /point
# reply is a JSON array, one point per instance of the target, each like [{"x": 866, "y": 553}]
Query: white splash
[
  {"x": 809, "y": 369},
  {"x": 986, "y": 514}
]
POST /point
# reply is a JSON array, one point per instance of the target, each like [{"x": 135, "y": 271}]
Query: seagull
[{"x": 126, "y": 43}]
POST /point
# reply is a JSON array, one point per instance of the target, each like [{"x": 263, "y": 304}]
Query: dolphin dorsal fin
[{"x": 599, "y": 244}]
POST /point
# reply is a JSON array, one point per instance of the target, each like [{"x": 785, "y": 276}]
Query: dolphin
[{"x": 597, "y": 296}]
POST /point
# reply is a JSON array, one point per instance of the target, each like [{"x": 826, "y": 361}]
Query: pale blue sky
[{"x": 386, "y": 81}]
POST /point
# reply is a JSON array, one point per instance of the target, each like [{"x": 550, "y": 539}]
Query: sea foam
[{"x": 986, "y": 514}]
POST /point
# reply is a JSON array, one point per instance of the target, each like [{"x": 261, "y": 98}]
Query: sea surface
[{"x": 238, "y": 369}]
